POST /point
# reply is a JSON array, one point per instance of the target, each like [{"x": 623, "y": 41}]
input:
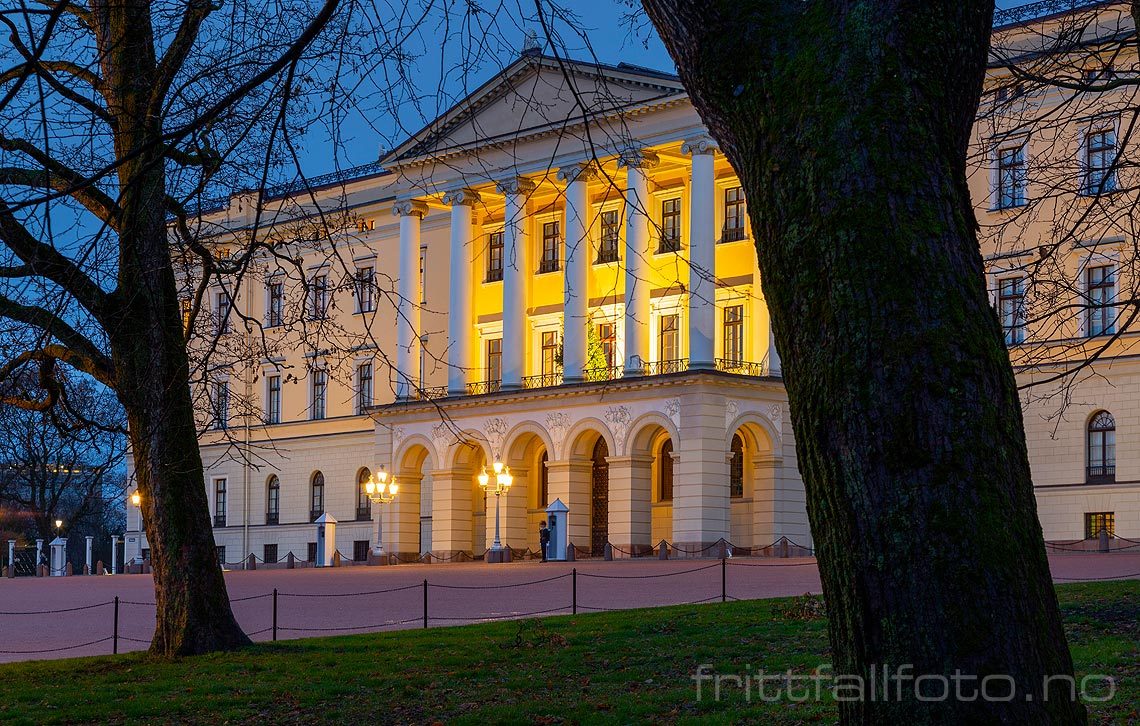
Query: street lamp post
[
  {"x": 503, "y": 481},
  {"x": 380, "y": 491}
]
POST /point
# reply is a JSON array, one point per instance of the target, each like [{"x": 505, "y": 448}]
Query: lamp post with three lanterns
[
  {"x": 502, "y": 485},
  {"x": 380, "y": 490}
]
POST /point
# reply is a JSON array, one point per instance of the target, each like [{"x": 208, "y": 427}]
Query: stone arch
[
  {"x": 755, "y": 520},
  {"x": 580, "y": 439},
  {"x": 469, "y": 451},
  {"x": 645, "y": 432},
  {"x": 413, "y": 453},
  {"x": 522, "y": 438},
  {"x": 758, "y": 431}
]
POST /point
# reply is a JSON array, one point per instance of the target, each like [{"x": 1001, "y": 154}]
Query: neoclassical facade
[{"x": 558, "y": 275}]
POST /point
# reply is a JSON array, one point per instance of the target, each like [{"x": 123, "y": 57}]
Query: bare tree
[{"x": 849, "y": 125}]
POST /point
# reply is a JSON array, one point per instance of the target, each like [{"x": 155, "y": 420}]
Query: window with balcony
[
  {"x": 273, "y": 399},
  {"x": 221, "y": 404},
  {"x": 365, "y": 284},
  {"x": 1011, "y": 177},
  {"x": 1101, "y": 449},
  {"x": 611, "y": 235},
  {"x": 670, "y": 226},
  {"x": 551, "y": 239},
  {"x": 494, "y": 257},
  {"x": 222, "y": 307},
  {"x": 319, "y": 297},
  {"x": 363, "y": 387},
  {"x": 733, "y": 338},
  {"x": 273, "y": 500},
  {"x": 219, "y": 502},
  {"x": 669, "y": 338},
  {"x": 1011, "y": 308},
  {"x": 320, "y": 394},
  {"x": 494, "y": 360},
  {"x": 363, "y": 503},
  {"x": 274, "y": 303},
  {"x": 316, "y": 496},
  {"x": 607, "y": 339},
  {"x": 735, "y": 214},
  {"x": 1097, "y": 522},
  {"x": 1100, "y": 153},
  {"x": 1100, "y": 284}
]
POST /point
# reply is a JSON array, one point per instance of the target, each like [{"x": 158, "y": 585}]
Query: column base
[
  {"x": 699, "y": 550},
  {"x": 626, "y": 550},
  {"x": 450, "y": 556},
  {"x": 378, "y": 558},
  {"x": 498, "y": 556}
]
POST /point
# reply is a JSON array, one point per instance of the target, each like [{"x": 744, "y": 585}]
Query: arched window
[
  {"x": 543, "y": 481},
  {"x": 317, "y": 497},
  {"x": 736, "y": 468},
  {"x": 273, "y": 500},
  {"x": 363, "y": 503},
  {"x": 665, "y": 472},
  {"x": 1101, "y": 449}
]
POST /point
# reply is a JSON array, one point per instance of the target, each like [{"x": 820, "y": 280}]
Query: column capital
[
  {"x": 462, "y": 197},
  {"x": 409, "y": 207},
  {"x": 517, "y": 185},
  {"x": 584, "y": 171},
  {"x": 638, "y": 158},
  {"x": 700, "y": 145}
]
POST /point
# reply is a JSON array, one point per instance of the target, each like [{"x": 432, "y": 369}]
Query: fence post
[
  {"x": 115, "y": 631},
  {"x": 425, "y": 605},
  {"x": 723, "y": 579},
  {"x": 574, "y": 590},
  {"x": 275, "y": 614}
]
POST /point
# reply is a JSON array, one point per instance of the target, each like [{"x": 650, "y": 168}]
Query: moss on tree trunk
[{"x": 848, "y": 123}]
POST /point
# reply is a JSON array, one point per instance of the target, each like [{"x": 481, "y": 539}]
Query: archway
[
  {"x": 753, "y": 479},
  {"x": 599, "y": 497},
  {"x": 407, "y": 520},
  {"x": 527, "y": 453}
]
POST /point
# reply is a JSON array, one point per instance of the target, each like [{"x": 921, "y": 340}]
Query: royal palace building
[{"x": 558, "y": 275}]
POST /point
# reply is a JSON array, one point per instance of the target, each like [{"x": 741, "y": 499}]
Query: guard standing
[{"x": 543, "y": 538}]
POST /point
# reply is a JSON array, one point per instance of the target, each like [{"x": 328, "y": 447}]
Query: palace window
[
  {"x": 365, "y": 287},
  {"x": 670, "y": 226},
  {"x": 1100, "y": 152},
  {"x": 1011, "y": 178},
  {"x": 669, "y": 338},
  {"x": 734, "y": 333},
  {"x": 316, "y": 496},
  {"x": 222, "y": 307},
  {"x": 494, "y": 257},
  {"x": 319, "y": 297},
  {"x": 607, "y": 338},
  {"x": 1011, "y": 308},
  {"x": 495, "y": 359},
  {"x": 736, "y": 468},
  {"x": 665, "y": 472},
  {"x": 363, "y": 387},
  {"x": 1101, "y": 449},
  {"x": 1101, "y": 286},
  {"x": 735, "y": 212},
  {"x": 219, "y": 502},
  {"x": 360, "y": 549},
  {"x": 311, "y": 551},
  {"x": 221, "y": 404},
  {"x": 320, "y": 394},
  {"x": 275, "y": 303},
  {"x": 273, "y": 399},
  {"x": 543, "y": 480},
  {"x": 186, "y": 306},
  {"x": 363, "y": 503},
  {"x": 550, "y": 242},
  {"x": 1097, "y": 522},
  {"x": 549, "y": 353},
  {"x": 273, "y": 500},
  {"x": 611, "y": 234},
  {"x": 269, "y": 553}
]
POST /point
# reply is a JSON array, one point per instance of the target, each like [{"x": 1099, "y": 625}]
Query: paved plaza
[{"x": 331, "y": 601}]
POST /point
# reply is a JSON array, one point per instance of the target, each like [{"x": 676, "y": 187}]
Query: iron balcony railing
[
  {"x": 272, "y": 518},
  {"x": 661, "y": 367},
  {"x": 542, "y": 380},
  {"x": 669, "y": 243},
  {"x": 428, "y": 394},
  {"x": 1102, "y": 474},
  {"x": 607, "y": 254},
  {"x": 363, "y": 514},
  {"x": 481, "y": 387},
  {"x": 741, "y": 367},
  {"x": 609, "y": 373},
  {"x": 314, "y": 515},
  {"x": 219, "y": 520},
  {"x": 733, "y": 234},
  {"x": 494, "y": 275},
  {"x": 548, "y": 266}
]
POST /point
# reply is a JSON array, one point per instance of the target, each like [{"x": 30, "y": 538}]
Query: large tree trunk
[
  {"x": 848, "y": 123},
  {"x": 149, "y": 354}
]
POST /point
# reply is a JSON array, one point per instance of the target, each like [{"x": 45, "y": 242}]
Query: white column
[
  {"x": 515, "y": 273},
  {"x": 576, "y": 292},
  {"x": 87, "y": 560},
  {"x": 410, "y": 213},
  {"x": 702, "y": 253},
  {"x": 774, "y": 368},
  {"x": 637, "y": 256},
  {"x": 459, "y": 311},
  {"x": 114, "y": 554}
]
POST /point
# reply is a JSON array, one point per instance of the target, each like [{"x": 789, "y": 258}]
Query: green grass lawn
[{"x": 622, "y": 667}]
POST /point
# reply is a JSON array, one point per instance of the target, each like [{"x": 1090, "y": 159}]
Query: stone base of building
[{"x": 498, "y": 556}]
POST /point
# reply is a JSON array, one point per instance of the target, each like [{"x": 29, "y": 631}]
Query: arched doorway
[{"x": 600, "y": 498}]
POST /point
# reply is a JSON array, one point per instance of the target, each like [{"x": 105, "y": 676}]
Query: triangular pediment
[{"x": 533, "y": 95}]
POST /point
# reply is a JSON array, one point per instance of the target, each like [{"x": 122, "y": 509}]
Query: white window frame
[{"x": 996, "y": 149}]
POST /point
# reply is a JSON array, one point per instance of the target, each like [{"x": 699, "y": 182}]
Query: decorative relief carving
[
  {"x": 496, "y": 430},
  {"x": 700, "y": 145},
  {"x": 408, "y": 207},
  {"x": 558, "y": 423},
  {"x": 731, "y": 410},
  {"x": 673, "y": 411},
  {"x": 466, "y": 197},
  {"x": 517, "y": 185},
  {"x": 619, "y": 417},
  {"x": 397, "y": 439},
  {"x": 578, "y": 172},
  {"x": 440, "y": 436},
  {"x": 638, "y": 158}
]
